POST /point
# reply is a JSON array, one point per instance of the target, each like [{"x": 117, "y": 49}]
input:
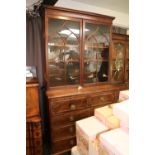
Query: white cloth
[
  {"x": 91, "y": 126},
  {"x": 121, "y": 110},
  {"x": 116, "y": 142}
]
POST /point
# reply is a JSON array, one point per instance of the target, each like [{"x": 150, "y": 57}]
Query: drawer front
[
  {"x": 68, "y": 118},
  {"x": 67, "y": 105},
  {"x": 63, "y": 133},
  {"x": 32, "y": 101},
  {"x": 33, "y": 130},
  {"x": 35, "y": 142},
  {"x": 63, "y": 145},
  {"x": 102, "y": 99}
]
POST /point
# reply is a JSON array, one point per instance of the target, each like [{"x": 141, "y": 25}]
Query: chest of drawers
[{"x": 66, "y": 108}]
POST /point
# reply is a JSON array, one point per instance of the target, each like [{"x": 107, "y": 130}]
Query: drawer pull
[
  {"x": 71, "y": 142},
  {"x": 102, "y": 98},
  {"x": 71, "y": 118},
  {"x": 71, "y": 129},
  {"x": 72, "y": 106}
]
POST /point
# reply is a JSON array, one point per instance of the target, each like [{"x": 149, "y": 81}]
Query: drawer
[
  {"x": 68, "y": 118},
  {"x": 34, "y": 130},
  {"x": 57, "y": 107},
  {"x": 35, "y": 134},
  {"x": 63, "y": 145},
  {"x": 34, "y": 142},
  {"x": 63, "y": 133},
  {"x": 102, "y": 99}
]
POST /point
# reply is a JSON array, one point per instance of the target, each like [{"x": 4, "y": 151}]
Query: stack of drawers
[{"x": 64, "y": 111}]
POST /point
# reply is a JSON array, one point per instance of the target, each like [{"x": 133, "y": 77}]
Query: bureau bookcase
[{"x": 77, "y": 70}]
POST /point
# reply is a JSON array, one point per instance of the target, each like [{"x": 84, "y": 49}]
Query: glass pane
[
  {"x": 56, "y": 72},
  {"x": 96, "y": 53},
  {"x": 117, "y": 75},
  {"x": 90, "y": 72},
  {"x": 73, "y": 72},
  {"x": 63, "y": 48},
  {"x": 103, "y": 72},
  {"x": 118, "y": 62}
]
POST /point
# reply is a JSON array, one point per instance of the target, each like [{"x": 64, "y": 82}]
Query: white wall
[{"x": 121, "y": 19}]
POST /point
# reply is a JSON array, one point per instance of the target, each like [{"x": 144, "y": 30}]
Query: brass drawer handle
[
  {"x": 71, "y": 129},
  {"x": 71, "y": 118},
  {"x": 102, "y": 98},
  {"x": 71, "y": 142},
  {"x": 72, "y": 106}
]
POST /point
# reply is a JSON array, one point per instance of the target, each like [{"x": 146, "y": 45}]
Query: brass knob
[
  {"x": 71, "y": 118},
  {"x": 71, "y": 129},
  {"x": 102, "y": 98},
  {"x": 72, "y": 106},
  {"x": 71, "y": 142}
]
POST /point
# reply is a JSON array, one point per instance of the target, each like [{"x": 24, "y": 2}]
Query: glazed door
[
  {"x": 118, "y": 61},
  {"x": 96, "y": 52},
  {"x": 63, "y": 53}
]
